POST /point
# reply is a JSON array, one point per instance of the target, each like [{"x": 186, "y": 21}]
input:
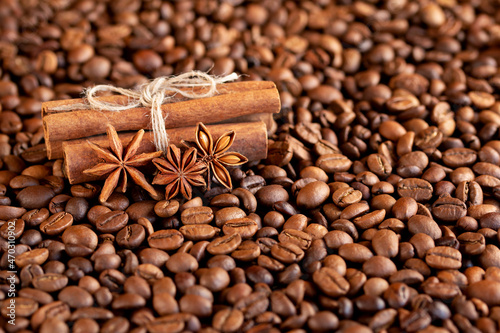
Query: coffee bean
[
  {"x": 166, "y": 239},
  {"x": 76, "y": 297},
  {"x": 331, "y": 163},
  {"x": 379, "y": 165},
  {"x": 487, "y": 291},
  {"x": 312, "y": 195},
  {"x": 36, "y": 256},
  {"x": 415, "y": 188},
  {"x": 169, "y": 323},
  {"x": 370, "y": 220},
  {"x": 228, "y": 320},
  {"x": 33, "y": 197},
  {"x": 297, "y": 237},
  {"x": 245, "y": 227},
  {"x": 459, "y": 157},
  {"x": 10, "y": 212},
  {"x": 355, "y": 252},
  {"x": 470, "y": 192},
  {"x": 279, "y": 153},
  {"x": 346, "y": 196},
  {"x": 330, "y": 282},
  {"x": 112, "y": 221},
  {"x": 247, "y": 251},
  {"x": 197, "y": 215},
  {"x": 131, "y": 236},
  {"x": 443, "y": 257},
  {"x": 270, "y": 194},
  {"x": 140, "y": 209},
  {"x": 12, "y": 228},
  {"x": 490, "y": 220},
  {"x": 50, "y": 282},
  {"x": 287, "y": 252},
  {"x": 447, "y": 208},
  {"x": 197, "y": 232},
  {"x": 196, "y": 305},
  {"x": 253, "y": 183},
  {"x": 252, "y": 305},
  {"x": 225, "y": 244},
  {"x": 490, "y": 256},
  {"x": 56, "y": 223},
  {"x": 385, "y": 243},
  {"x": 79, "y": 241}
]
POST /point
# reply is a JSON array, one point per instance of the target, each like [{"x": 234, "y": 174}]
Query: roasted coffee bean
[
  {"x": 330, "y": 282},
  {"x": 56, "y": 223},
  {"x": 470, "y": 192},
  {"x": 287, "y": 252},
  {"x": 36, "y": 256},
  {"x": 346, "y": 196},
  {"x": 443, "y": 257},
  {"x": 36, "y": 216},
  {"x": 412, "y": 164},
  {"x": 12, "y": 228},
  {"x": 34, "y": 197},
  {"x": 385, "y": 243},
  {"x": 355, "y": 252},
  {"x": 197, "y": 215},
  {"x": 415, "y": 188},
  {"x": 57, "y": 309},
  {"x": 225, "y": 244},
  {"x": 370, "y": 220},
  {"x": 166, "y": 239},
  {"x": 247, "y": 251},
  {"x": 79, "y": 241},
  {"x": 228, "y": 320},
  {"x": 131, "y": 236},
  {"x": 459, "y": 157},
  {"x": 270, "y": 194},
  {"x": 253, "y": 183},
  {"x": 198, "y": 232},
  {"x": 247, "y": 199},
  {"x": 379, "y": 165},
  {"x": 447, "y": 208},
  {"x": 279, "y": 153},
  {"x": 312, "y": 195},
  {"x": 245, "y": 227},
  {"x": 112, "y": 221},
  {"x": 487, "y": 291},
  {"x": 50, "y": 282}
]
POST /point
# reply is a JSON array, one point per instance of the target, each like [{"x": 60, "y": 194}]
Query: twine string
[{"x": 153, "y": 94}]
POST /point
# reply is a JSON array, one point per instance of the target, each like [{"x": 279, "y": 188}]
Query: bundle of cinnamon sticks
[{"x": 244, "y": 107}]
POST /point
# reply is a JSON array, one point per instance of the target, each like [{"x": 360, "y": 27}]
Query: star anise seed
[
  {"x": 216, "y": 158},
  {"x": 116, "y": 160},
  {"x": 179, "y": 172}
]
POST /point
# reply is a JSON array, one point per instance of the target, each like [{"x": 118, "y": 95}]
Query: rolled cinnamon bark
[
  {"x": 61, "y": 123},
  {"x": 55, "y": 148},
  {"x": 250, "y": 140}
]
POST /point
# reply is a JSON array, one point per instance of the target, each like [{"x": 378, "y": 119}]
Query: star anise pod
[
  {"x": 216, "y": 157},
  {"x": 179, "y": 171},
  {"x": 117, "y": 160}
]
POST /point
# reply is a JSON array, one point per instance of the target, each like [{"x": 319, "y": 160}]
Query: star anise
[
  {"x": 217, "y": 157},
  {"x": 179, "y": 171},
  {"x": 117, "y": 160}
]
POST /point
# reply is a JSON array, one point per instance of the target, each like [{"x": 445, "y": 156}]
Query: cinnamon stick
[
  {"x": 233, "y": 100},
  {"x": 250, "y": 140},
  {"x": 70, "y": 105},
  {"x": 55, "y": 148}
]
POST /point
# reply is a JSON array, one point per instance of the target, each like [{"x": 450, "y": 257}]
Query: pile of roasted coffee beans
[{"x": 377, "y": 209}]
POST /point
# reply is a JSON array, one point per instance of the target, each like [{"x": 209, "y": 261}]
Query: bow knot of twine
[{"x": 153, "y": 94}]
